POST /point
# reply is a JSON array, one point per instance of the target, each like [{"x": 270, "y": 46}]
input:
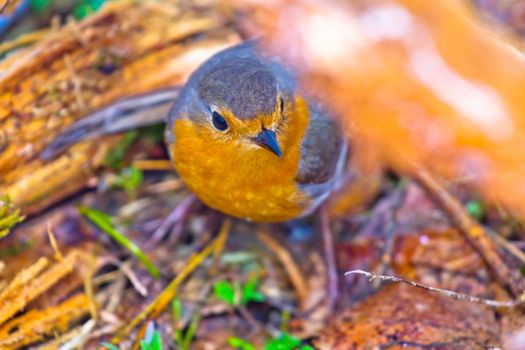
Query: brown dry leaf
[
  {"x": 513, "y": 329},
  {"x": 402, "y": 317},
  {"x": 506, "y": 273},
  {"x": 442, "y": 259}
]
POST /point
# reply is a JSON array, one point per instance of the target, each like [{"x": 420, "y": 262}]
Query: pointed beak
[{"x": 268, "y": 140}]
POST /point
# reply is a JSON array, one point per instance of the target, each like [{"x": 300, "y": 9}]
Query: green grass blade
[
  {"x": 104, "y": 222},
  {"x": 190, "y": 333}
]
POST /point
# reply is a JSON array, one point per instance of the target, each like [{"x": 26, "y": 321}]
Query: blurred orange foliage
[{"x": 416, "y": 81}]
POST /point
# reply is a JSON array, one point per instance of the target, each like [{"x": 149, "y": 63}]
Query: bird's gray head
[
  {"x": 237, "y": 96},
  {"x": 243, "y": 86}
]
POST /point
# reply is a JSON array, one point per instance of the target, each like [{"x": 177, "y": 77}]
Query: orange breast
[{"x": 245, "y": 182}]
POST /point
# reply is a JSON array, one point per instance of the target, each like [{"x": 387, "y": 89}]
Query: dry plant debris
[
  {"x": 402, "y": 317},
  {"x": 32, "y": 282},
  {"x": 474, "y": 233},
  {"x": 29, "y": 284},
  {"x": 125, "y": 49},
  {"x": 236, "y": 291},
  {"x": 36, "y": 325}
]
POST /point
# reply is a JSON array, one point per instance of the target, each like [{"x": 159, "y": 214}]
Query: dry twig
[
  {"x": 448, "y": 293},
  {"x": 4, "y": 6},
  {"x": 291, "y": 268},
  {"x": 54, "y": 244},
  {"x": 510, "y": 247},
  {"x": 167, "y": 295},
  {"x": 472, "y": 231}
]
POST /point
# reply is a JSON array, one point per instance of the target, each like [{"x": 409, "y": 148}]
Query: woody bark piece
[
  {"x": 24, "y": 277},
  {"x": 35, "y": 185},
  {"x": 127, "y": 48},
  {"x": 36, "y": 325},
  {"x": 32, "y": 282}
]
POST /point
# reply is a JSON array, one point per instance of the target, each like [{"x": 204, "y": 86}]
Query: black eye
[
  {"x": 281, "y": 102},
  {"x": 218, "y": 121}
]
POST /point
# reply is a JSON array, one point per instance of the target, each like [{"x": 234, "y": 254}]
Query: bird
[
  {"x": 249, "y": 142},
  {"x": 241, "y": 133},
  {"x": 245, "y": 137}
]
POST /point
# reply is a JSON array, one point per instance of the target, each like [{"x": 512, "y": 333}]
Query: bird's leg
[
  {"x": 174, "y": 221},
  {"x": 386, "y": 257},
  {"x": 329, "y": 251}
]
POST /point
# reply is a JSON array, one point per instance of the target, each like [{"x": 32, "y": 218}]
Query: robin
[
  {"x": 245, "y": 139},
  {"x": 249, "y": 143}
]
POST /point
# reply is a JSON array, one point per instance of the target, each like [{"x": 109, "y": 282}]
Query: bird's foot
[
  {"x": 329, "y": 251},
  {"x": 174, "y": 222}
]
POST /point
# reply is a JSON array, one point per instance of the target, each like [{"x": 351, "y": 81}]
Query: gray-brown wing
[
  {"x": 130, "y": 113},
  {"x": 321, "y": 150}
]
